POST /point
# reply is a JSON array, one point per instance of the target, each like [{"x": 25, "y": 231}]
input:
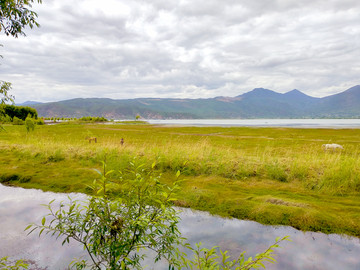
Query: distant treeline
[
  {"x": 82, "y": 119},
  {"x": 93, "y": 119},
  {"x": 20, "y": 112}
]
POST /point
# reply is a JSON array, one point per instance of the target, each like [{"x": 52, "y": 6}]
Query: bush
[
  {"x": 113, "y": 230},
  {"x": 17, "y": 121},
  {"x": 40, "y": 121},
  {"x": 19, "y": 111},
  {"x": 93, "y": 119},
  {"x": 5, "y": 118},
  {"x": 30, "y": 124}
]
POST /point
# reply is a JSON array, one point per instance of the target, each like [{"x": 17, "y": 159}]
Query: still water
[
  {"x": 299, "y": 123},
  {"x": 19, "y": 207}
]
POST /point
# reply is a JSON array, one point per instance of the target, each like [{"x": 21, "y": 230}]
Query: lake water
[
  {"x": 298, "y": 123},
  {"x": 310, "y": 250}
]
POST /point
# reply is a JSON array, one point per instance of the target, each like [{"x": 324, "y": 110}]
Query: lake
[
  {"x": 310, "y": 250},
  {"x": 298, "y": 123}
]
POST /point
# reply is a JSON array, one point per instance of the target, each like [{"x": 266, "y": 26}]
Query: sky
[{"x": 183, "y": 49}]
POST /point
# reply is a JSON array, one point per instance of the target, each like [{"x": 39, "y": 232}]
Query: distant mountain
[
  {"x": 343, "y": 105},
  {"x": 258, "y": 103},
  {"x": 28, "y": 103}
]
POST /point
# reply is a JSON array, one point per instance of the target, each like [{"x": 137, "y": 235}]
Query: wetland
[{"x": 276, "y": 176}]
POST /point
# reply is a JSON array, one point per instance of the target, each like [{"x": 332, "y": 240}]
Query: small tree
[
  {"x": 114, "y": 229},
  {"x": 30, "y": 124},
  {"x": 17, "y": 121},
  {"x": 137, "y": 117}
]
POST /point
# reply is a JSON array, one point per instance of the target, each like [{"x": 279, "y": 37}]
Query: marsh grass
[
  {"x": 237, "y": 172},
  {"x": 195, "y": 154}
]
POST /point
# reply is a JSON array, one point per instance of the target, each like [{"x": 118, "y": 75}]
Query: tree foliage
[
  {"x": 15, "y": 15},
  {"x": 20, "y": 112},
  {"x": 4, "y": 92},
  {"x": 93, "y": 119}
]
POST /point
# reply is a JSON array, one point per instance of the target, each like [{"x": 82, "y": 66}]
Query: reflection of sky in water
[
  {"x": 19, "y": 207},
  {"x": 306, "y": 251}
]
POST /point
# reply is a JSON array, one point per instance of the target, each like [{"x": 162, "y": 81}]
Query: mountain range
[{"x": 258, "y": 103}]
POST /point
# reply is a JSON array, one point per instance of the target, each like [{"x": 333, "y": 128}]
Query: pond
[{"x": 310, "y": 250}]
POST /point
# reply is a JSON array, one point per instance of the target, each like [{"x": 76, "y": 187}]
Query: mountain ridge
[{"x": 257, "y": 103}]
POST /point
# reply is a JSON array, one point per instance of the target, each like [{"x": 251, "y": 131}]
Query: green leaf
[
  {"x": 51, "y": 201},
  {"x": 43, "y": 221},
  {"x": 109, "y": 172},
  {"x": 33, "y": 229},
  {"x": 28, "y": 227}
]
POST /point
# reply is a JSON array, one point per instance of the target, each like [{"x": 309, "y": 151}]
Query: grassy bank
[{"x": 271, "y": 175}]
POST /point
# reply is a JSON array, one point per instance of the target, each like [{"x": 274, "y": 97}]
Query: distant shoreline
[{"x": 289, "y": 123}]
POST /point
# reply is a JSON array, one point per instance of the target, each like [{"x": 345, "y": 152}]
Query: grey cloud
[{"x": 184, "y": 49}]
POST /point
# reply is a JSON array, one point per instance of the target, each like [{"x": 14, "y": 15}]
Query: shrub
[
  {"x": 93, "y": 119},
  {"x": 19, "y": 111},
  {"x": 4, "y": 118},
  {"x": 113, "y": 230},
  {"x": 40, "y": 121},
  {"x": 30, "y": 124},
  {"x": 17, "y": 121}
]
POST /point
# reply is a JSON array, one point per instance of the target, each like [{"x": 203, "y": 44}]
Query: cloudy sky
[{"x": 184, "y": 49}]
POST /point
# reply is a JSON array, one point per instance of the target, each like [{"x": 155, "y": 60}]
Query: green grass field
[{"x": 270, "y": 175}]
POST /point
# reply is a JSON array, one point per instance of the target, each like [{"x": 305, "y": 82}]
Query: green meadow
[{"x": 278, "y": 176}]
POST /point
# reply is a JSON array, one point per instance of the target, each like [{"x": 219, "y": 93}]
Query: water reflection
[{"x": 18, "y": 207}]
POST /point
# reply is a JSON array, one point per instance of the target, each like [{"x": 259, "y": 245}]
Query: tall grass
[{"x": 279, "y": 155}]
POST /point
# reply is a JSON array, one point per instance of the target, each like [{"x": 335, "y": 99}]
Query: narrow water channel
[{"x": 310, "y": 250}]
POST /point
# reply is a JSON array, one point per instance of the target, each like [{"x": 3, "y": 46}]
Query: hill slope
[{"x": 258, "y": 103}]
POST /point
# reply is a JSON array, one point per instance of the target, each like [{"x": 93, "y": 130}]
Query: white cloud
[{"x": 184, "y": 49}]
